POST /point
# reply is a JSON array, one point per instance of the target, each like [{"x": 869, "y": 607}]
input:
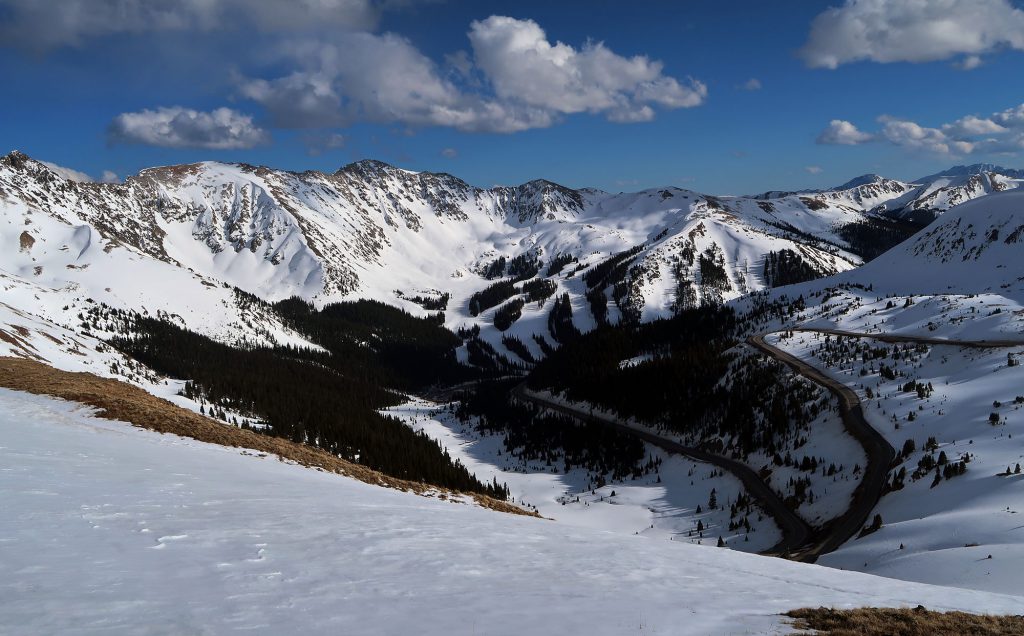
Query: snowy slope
[
  {"x": 206, "y": 539},
  {"x": 964, "y": 530},
  {"x": 958, "y": 279},
  {"x": 973, "y": 249}
]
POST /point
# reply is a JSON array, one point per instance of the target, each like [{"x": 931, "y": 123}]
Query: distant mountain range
[{"x": 174, "y": 240}]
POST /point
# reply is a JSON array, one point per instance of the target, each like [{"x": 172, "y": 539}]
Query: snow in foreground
[{"x": 111, "y": 529}]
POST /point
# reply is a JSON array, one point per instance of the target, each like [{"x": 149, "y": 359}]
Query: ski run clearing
[{"x": 174, "y": 536}]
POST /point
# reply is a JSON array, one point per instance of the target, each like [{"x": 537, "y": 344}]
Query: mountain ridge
[{"x": 372, "y": 230}]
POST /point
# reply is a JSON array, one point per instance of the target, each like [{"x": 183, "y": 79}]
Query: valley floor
[
  {"x": 112, "y": 529},
  {"x": 665, "y": 509}
]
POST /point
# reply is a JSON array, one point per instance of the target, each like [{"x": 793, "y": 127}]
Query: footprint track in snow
[{"x": 161, "y": 542}]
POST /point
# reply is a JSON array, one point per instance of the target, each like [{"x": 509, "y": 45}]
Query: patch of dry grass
[
  {"x": 117, "y": 400},
  {"x": 884, "y": 621}
]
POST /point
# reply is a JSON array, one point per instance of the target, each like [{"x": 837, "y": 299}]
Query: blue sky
[{"x": 119, "y": 85}]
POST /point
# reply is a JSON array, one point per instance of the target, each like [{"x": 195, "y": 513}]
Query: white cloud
[
  {"x": 752, "y": 84},
  {"x": 1001, "y": 132},
  {"x": 378, "y": 78},
  {"x": 68, "y": 173},
  {"x": 522, "y": 65},
  {"x": 969, "y": 63},
  {"x": 1011, "y": 117},
  {"x": 814, "y": 169},
  {"x": 177, "y": 127},
  {"x": 971, "y": 125},
  {"x": 842, "y": 132},
  {"x": 514, "y": 80},
  {"x": 916, "y": 137},
  {"x": 912, "y": 31},
  {"x": 449, "y": 153},
  {"x": 41, "y": 25},
  {"x": 109, "y": 176}
]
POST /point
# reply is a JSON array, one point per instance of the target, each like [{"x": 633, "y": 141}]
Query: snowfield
[
  {"x": 665, "y": 509},
  {"x": 963, "y": 531},
  {"x": 111, "y": 529}
]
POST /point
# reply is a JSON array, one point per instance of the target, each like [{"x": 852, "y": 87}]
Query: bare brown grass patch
[{"x": 885, "y": 621}]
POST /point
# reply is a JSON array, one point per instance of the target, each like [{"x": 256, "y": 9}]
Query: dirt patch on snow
[
  {"x": 881, "y": 621},
  {"x": 115, "y": 400},
  {"x": 27, "y": 241}
]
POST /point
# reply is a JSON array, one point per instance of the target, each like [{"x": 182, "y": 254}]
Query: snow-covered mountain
[
  {"x": 959, "y": 279},
  {"x": 173, "y": 240},
  {"x": 973, "y": 249},
  {"x": 934, "y": 194}
]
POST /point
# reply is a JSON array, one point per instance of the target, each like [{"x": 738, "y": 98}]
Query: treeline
[
  {"x": 681, "y": 381},
  {"x": 519, "y": 268},
  {"x": 560, "y": 323},
  {"x": 496, "y": 293},
  {"x": 539, "y": 290},
  {"x": 559, "y": 262},
  {"x": 786, "y": 267},
  {"x": 430, "y": 303},
  {"x": 304, "y": 395},
  {"x": 697, "y": 384},
  {"x": 874, "y": 236},
  {"x": 508, "y": 314},
  {"x": 610, "y": 270},
  {"x": 408, "y": 352},
  {"x": 533, "y": 436},
  {"x": 518, "y": 347},
  {"x": 524, "y": 267},
  {"x": 491, "y": 296}
]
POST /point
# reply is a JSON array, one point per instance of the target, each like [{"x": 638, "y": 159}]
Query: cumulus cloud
[
  {"x": 814, "y": 169},
  {"x": 68, "y": 173},
  {"x": 109, "y": 176},
  {"x": 842, "y": 132},
  {"x": 916, "y": 137},
  {"x": 41, "y": 25},
  {"x": 514, "y": 79},
  {"x": 752, "y": 84},
  {"x": 1000, "y": 132},
  {"x": 449, "y": 153},
  {"x": 523, "y": 65},
  {"x": 382, "y": 79},
  {"x": 912, "y": 31},
  {"x": 177, "y": 127},
  {"x": 972, "y": 125}
]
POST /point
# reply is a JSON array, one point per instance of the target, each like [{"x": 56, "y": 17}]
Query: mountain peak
[
  {"x": 16, "y": 159},
  {"x": 862, "y": 180},
  {"x": 369, "y": 166},
  {"x": 972, "y": 169}
]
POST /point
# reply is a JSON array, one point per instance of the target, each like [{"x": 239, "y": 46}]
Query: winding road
[
  {"x": 879, "y": 452},
  {"x": 800, "y": 541},
  {"x": 895, "y": 338},
  {"x": 795, "y": 531}
]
